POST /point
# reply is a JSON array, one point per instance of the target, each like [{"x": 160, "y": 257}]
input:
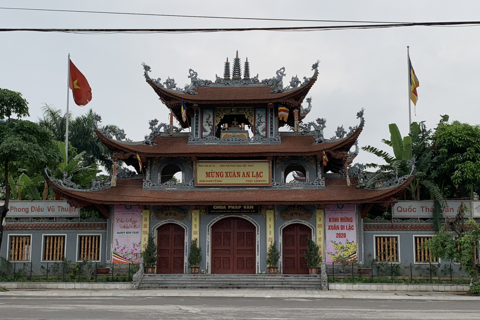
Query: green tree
[
  {"x": 456, "y": 165},
  {"x": 23, "y": 144},
  {"x": 419, "y": 145},
  {"x": 459, "y": 244}
]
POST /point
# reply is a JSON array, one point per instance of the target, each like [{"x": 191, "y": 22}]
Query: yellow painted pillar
[
  {"x": 195, "y": 224},
  {"x": 145, "y": 227},
  {"x": 270, "y": 227},
  {"x": 320, "y": 225}
]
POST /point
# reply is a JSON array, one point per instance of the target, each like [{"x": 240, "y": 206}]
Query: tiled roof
[
  {"x": 130, "y": 192},
  {"x": 56, "y": 226},
  {"x": 177, "y": 146},
  {"x": 239, "y": 95},
  {"x": 398, "y": 227}
]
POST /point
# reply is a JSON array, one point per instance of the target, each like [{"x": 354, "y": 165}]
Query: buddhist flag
[
  {"x": 414, "y": 84},
  {"x": 139, "y": 162},
  {"x": 324, "y": 159},
  {"x": 184, "y": 112},
  {"x": 283, "y": 113},
  {"x": 82, "y": 93}
]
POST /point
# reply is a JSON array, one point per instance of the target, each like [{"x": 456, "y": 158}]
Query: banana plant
[
  {"x": 396, "y": 164},
  {"x": 74, "y": 167},
  {"x": 25, "y": 188}
]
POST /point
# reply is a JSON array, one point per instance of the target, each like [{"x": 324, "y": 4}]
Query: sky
[{"x": 358, "y": 68}]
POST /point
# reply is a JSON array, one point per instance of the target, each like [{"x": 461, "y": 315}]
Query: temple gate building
[{"x": 235, "y": 181}]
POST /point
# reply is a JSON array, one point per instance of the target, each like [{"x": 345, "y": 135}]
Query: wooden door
[
  {"x": 233, "y": 247},
  {"x": 170, "y": 248},
  {"x": 294, "y": 240}
]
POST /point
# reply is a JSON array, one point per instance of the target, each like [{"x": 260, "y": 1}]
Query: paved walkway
[{"x": 249, "y": 293}]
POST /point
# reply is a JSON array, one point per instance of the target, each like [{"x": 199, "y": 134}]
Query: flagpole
[
  {"x": 68, "y": 111},
  {"x": 408, "y": 84}
]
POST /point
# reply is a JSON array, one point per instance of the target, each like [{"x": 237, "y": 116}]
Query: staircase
[{"x": 233, "y": 281}]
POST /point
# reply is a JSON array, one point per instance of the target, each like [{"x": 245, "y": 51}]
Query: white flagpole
[
  {"x": 68, "y": 111},
  {"x": 408, "y": 83}
]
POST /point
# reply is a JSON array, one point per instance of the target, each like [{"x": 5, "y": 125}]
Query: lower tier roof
[{"x": 130, "y": 192}]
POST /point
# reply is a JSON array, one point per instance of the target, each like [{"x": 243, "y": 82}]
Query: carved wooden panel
[
  {"x": 170, "y": 248},
  {"x": 295, "y": 238},
  {"x": 233, "y": 246}
]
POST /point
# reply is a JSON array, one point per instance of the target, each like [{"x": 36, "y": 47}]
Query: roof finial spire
[
  {"x": 237, "y": 72},
  {"x": 246, "y": 70},
  {"x": 226, "y": 71}
]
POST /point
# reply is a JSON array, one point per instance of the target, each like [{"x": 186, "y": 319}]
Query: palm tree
[{"x": 81, "y": 135}]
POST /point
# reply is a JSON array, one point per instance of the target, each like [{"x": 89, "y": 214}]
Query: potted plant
[
  {"x": 194, "y": 257},
  {"x": 312, "y": 257},
  {"x": 101, "y": 269},
  {"x": 367, "y": 268},
  {"x": 272, "y": 258},
  {"x": 149, "y": 255}
]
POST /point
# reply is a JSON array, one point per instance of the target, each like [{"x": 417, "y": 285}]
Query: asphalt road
[{"x": 211, "y": 308}]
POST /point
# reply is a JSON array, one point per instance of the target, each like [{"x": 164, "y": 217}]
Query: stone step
[{"x": 158, "y": 281}]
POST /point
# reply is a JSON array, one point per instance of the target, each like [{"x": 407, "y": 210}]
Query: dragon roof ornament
[
  {"x": 376, "y": 181},
  {"x": 157, "y": 129},
  {"x": 275, "y": 83},
  {"x": 320, "y": 124},
  {"x": 110, "y": 131},
  {"x": 99, "y": 183}
]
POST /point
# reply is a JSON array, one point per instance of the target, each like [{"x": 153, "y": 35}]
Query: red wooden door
[
  {"x": 294, "y": 239},
  {"x": 233, "y": 246},
  {"x": 170, "y": 248}
]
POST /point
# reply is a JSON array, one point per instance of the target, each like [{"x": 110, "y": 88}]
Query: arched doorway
[
  {"x": 295, "y": 238},
  {"x": 170, "y": 248},
  {"x": 233, "y": 246}
]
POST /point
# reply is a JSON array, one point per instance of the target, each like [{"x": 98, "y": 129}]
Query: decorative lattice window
[
  {"x": 89, "y": 247},
  {"x": 53, "y": 248},
  {"x": 422, "y": 254},
  {"x": 386, "y": 249},
  {"x": 20, "y": 248}
]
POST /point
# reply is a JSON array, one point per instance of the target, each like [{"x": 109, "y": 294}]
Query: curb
[
  {"x": 68, "y": 285},
  {"x": 247, "y": 293}
]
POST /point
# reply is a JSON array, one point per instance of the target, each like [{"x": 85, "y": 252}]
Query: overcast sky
[{"x": 358, "y": 68}]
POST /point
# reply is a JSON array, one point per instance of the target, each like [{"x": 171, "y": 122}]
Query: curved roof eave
[
  {"x": 177, "y": 146},
  {"x": 130, "y": 192},
  {"x": 239, "y": 95}
]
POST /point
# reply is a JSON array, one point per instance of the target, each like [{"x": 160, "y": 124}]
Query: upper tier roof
[
  {"x": 237, "y": 90},
  {"x": 239, "y": 95}
]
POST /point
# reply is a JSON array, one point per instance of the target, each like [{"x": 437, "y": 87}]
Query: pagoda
[{"x": 235, "y": 181}]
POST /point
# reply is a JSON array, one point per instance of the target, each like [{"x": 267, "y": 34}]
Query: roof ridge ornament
[{"x": 276, "y": 83}]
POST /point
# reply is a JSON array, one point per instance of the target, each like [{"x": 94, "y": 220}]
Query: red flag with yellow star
[{"x": 82, "y": 93}]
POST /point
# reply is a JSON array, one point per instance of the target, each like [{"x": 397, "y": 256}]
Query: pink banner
[
  {"x": 341, "y": 233},
  {"x": 127, "y": 227}
]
